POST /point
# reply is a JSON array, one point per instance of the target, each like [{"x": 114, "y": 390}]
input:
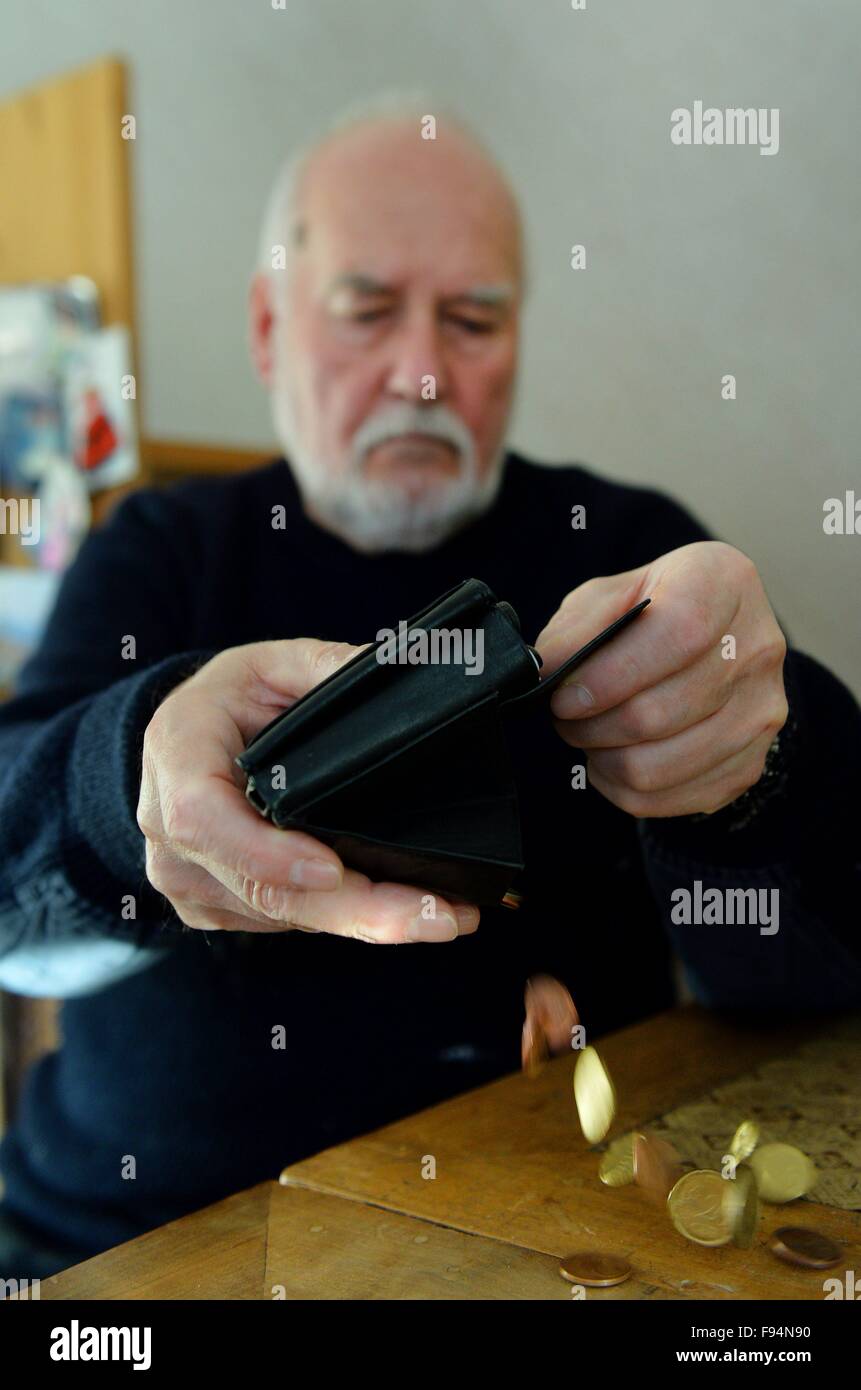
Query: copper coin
[
  {"x": 550, "y": 1002},
  {"x": 550, "y": 1017},
  {"x": 597, "y": 1270},
  {"x": 534, "y": 1051},
  {"x": 798, "y": 1245},
  {"x": 657, "y": 1166}
]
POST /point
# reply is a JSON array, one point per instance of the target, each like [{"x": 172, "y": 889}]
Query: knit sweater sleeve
[{"x": 71, "y": 853}]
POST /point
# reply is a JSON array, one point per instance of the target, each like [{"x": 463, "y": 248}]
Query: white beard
[{"x": 374, "y": 515}]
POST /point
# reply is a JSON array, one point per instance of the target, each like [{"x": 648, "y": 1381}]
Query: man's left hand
[{"x": 677, "y": 713}]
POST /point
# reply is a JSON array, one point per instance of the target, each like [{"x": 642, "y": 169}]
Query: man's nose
[{"x": 418, "y": 371}]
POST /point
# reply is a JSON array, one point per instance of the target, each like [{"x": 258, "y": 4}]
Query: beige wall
[{"x": 701, "y": 261}]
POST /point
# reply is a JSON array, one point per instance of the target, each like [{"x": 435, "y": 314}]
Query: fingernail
[
  {"x": 443, "y": 927},
  {"x": 315, "y": 873},
  {"x": 571, "y": 699},
  {"x": 467, "y": 919}
]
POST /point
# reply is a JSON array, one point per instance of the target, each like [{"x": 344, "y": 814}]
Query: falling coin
[
  {"x": 798, "y": 1245},
  {"x": 594, "y": 1095},
  {"x": 696, "y": 1208},
  {"x": 657, "y": 1166},
  {"x": 550, "y": 1016},
  {"x": 556, "y": 1011},
  {"x": 616, "y": 1168},
  {"x": 596, "y": 1270},
  {"x": 741, "y": 1206},
  {"x": 782, "y": 1172},
  {"x": 534, "y": 1051},
  {"x": 744, "y": 1141}
]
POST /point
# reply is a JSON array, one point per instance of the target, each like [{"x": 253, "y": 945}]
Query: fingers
[
  {"x": 710, "y": 792},
  {"x": 695, "y": 593},
  {"x": 673, "y": 716},
  {"x": 676, "y": 704},
  {"x": 211, "y": 822},
  {"x": 385, "y": 913},
  {"x": 585, "y": 612},
  {"x": 201, "y": 901},
  {"x": 667, "y": 638},
  {"x": 204, "y": 917},
  {"x": 686, "y": 756}
]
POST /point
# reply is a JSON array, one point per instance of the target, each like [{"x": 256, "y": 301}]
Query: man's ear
[{"x": 261, "y": 327}]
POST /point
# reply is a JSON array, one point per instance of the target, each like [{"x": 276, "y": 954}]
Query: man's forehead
[
  {"x": 448, "y": 255},
  {"x": 388, "y": 206}
]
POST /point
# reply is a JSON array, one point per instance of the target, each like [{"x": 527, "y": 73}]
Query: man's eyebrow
[
  {"x": 489, "y": 296},
  {"x": 361, "y": 284}
]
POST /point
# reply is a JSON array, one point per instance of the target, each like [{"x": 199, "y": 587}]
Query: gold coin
[
  {"x": 594, "y": 1095},
  {"x": 696, "y": 1208},
  {"x": 591, "y": 1267},
  {"x": 617, "y": 1164},
  {"x": 741, "y": 1206},
  {"x": 744, "y": 1141},
  {"x": 782, "y": 1172}
]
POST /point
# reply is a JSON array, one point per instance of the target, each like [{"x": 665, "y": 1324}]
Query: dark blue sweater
[{"x": 174, "y": 1066}]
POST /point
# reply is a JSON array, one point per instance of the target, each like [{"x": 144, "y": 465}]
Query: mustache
[{"x": 436, "y": 422}]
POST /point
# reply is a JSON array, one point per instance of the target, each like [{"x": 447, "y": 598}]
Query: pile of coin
[{"x": 707, "y": 1207}]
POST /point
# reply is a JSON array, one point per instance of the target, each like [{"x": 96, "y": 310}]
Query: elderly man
[{"x": 223, "y": 1014}]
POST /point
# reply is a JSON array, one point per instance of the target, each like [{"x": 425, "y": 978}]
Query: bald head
[
  {"x": 381, "y": 180},
  {"x": 389, "y": 347}
]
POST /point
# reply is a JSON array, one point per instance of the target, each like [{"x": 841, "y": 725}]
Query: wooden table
[{"x": 516, "y": 1188}]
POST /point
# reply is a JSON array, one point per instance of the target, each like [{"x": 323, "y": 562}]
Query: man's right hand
[{"x": 223, "y": 867}]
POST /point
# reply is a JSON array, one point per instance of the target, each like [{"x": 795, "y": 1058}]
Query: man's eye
[
  {"x": 367, "y": 315},
  {"x": 474, "y": 325}
]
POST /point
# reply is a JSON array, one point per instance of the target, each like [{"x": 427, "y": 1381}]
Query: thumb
[
  {"x": 585, "y": 612},
  {"x": 255, "y": 682},
  {"x": 293, "y": 667}
]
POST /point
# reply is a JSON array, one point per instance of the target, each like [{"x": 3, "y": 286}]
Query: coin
[
  {"x": 552, "y": 1005},
  {"x": 798, "y": 1245},
  {"x": 657, "y": 1166},
  {"x": 782, "y": 1172},
  {"x": 594, "y": 1095},
  {"x": 696, "y": 1208},
  {"x": 744, "y": 1141},
  {"x": 550, "y": 1017},
  {"x": 616, "y": 1168},
  {"x": 597, "y": 1270},
  {"x": 534, "y": 1051},
  {"x": 741, "y": 1206}
]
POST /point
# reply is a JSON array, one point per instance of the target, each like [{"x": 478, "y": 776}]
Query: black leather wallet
[{"x": 399, "y": 761}]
